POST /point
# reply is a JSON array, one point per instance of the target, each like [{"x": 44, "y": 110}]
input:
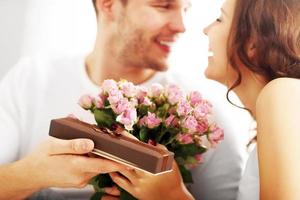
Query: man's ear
[{"x": 104, "y": 7}]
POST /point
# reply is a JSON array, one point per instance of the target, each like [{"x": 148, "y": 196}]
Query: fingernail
[{"x": 87, "y": 145}]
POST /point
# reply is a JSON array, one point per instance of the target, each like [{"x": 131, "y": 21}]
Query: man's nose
[{"x": 177, "y": 23}]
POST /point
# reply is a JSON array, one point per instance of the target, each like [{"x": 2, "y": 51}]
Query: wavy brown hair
[{"x": 274, "y": 27}]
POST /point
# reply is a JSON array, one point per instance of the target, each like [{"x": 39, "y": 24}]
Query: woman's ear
[{"x": 251, "y": 49}]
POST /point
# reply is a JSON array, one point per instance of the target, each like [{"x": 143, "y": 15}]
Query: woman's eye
[{"x": 218, "y": 20}]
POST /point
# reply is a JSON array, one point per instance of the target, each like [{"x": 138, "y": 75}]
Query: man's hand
[{"x": 55, "y": 163}]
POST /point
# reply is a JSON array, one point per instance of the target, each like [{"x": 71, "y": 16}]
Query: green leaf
[
  {"x": 185, "y": 150},
  {"x": 143, "y": 134},
  {"x": 95, "y": 183},
  {"x": 97, "y": 196},
  {"x": 143, "y": 110},
  {"x": 105, "y": 181},
  {"x": 124, "y": 195},
  {"x": 163, "y": 110},
  {"x": 171, "y": 132},
  {"x": 104, "y": 118},
  {"x": 186, "y": 174}
]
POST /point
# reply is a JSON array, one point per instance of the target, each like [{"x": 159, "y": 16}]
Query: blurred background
[
  {"x": 68, "y": 27},
  {"x": 60, "y": 27}
]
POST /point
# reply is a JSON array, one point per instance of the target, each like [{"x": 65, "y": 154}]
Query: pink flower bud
[
  {"x": 156, "y": 90},
  {"x": 86, "y": 101},
  {"x": 99, "y": 103},
  {"x": 152, "y": 142},
  {"x": 169, "y": 120}
]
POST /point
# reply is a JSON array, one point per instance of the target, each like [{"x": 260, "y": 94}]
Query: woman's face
[{"x": 218, "y": 34}]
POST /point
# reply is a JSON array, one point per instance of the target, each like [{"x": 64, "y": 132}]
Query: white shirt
[
  {"x": 249, "y": 186},
  {"x": 36, "y": 91}
]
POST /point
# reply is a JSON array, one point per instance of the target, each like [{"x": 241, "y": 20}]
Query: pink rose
[
  {"x": 203, "y": 109},
  {"x": 195, "y": 98},
  {"x": 128, "y": 118},
  {"x": 114, "y": 96},
  {"x": 202, "y": 127},
  {"x": 109, "y": 85},
  {"x": 183, "y": 108},
  {"x": 185, "y": 138},
  {"x": 120, "y": 106},
  {"x": 174, "y": 94},
  {"x": 128, "y": 89},
  {"x": 199, "y": 158},
  {"x": 141, "y": 93},
  {"x": 216, "y": 136},
  {"x": 190, "y": 123},
  {"x": 151, "y": 121}
]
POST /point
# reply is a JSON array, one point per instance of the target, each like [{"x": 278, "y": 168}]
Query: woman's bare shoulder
[{"x": 279, "y": 92}]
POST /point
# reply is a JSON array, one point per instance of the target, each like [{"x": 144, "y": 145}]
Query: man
[{"x": 134, "y": 39}]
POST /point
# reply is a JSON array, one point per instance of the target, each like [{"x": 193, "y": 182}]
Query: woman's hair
[{"x": 273, "y": 27}]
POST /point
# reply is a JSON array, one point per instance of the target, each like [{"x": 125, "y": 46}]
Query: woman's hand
[{"x": 145, "y": 186}]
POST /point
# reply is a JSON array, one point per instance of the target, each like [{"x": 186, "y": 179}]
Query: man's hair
[{"x": 124, "y": 2}]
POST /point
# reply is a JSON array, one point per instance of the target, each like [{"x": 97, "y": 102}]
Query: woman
[{"x": 255, "y": 52}]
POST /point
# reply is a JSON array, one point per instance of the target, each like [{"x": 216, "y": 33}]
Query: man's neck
[{"x": 100, "y": 67}]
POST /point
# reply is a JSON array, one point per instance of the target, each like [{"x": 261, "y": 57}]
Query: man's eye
[{"x": 163, "y": 6}]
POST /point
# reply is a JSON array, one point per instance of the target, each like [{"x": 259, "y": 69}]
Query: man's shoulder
[{"x": 43, "y": 65}]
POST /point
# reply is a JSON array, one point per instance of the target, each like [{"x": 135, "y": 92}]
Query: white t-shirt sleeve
[{"x": 11, "y": 112}]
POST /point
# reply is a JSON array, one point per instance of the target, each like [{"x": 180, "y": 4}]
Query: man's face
[{"x": 145, "y": 31}]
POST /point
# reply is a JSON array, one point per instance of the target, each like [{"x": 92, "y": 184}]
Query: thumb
[
  {"x": 162, "y": 146},
  {"x": 75, "y": 146}
]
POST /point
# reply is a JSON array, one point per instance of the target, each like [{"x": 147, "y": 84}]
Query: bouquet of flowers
[{"x": 154, "y": 115}]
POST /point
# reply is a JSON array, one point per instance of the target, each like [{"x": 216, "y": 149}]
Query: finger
[
  {"x": 76, "y": 146},
  {"x": 109, "y": 198},
  {"x": 122, "y": 182},
  {"x": 97, "y": 165},
  {"x": 112, "y": 191},
  {"x": 130, "y": 174},
  {"x": 162, "y": 146},
  {"x": 141, "y": 174}
]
